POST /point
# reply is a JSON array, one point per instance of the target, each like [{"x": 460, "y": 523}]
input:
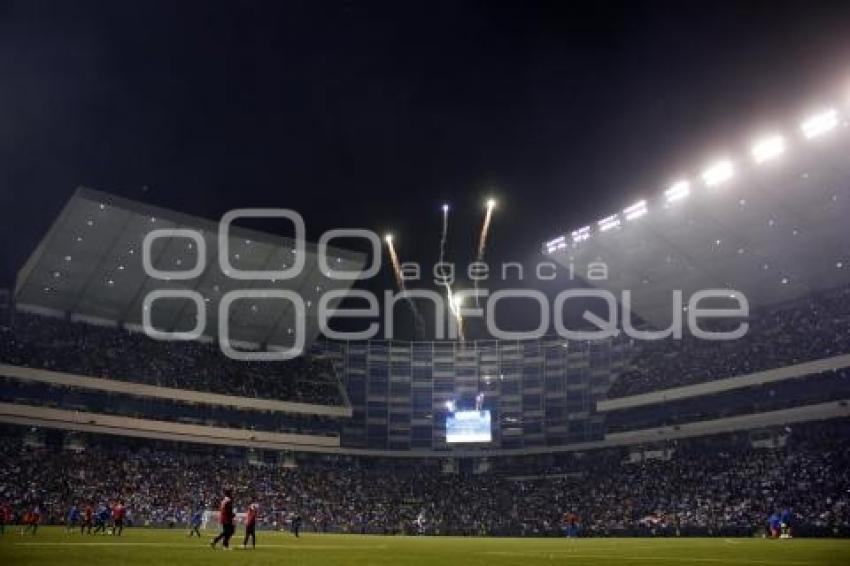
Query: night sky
[{"x": 371, "y": 114}]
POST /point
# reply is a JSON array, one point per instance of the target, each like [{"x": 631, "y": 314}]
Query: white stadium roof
[
  {"x": 89, "y": 265},
  {"x": 772, "y": 221}
]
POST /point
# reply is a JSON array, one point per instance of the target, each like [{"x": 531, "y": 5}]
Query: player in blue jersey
[
  {"x": 195, "y": 522},
  {"x": 101, "y": 519},
  {"x": 774, "y": 524},
  {"x": 72, "y": 518}
]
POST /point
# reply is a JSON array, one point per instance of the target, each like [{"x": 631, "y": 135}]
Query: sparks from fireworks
[
  {"x": 399, "y": 278},
  {"x": 482, "y": 240},
  {"x": 485, "y": 229},
  {"x": 452, "y": 300}
]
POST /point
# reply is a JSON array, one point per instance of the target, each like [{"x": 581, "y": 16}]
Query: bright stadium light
[
  {"x": 678, "y": 191},
  {"x": 581, "y": 234},
  {"x": 635, "y": 211},
  {"x": 491, "y": 203},
  {"x": 768, "y": 148},
  {"x": 718, "y": 173},
  {"x": 558, "y": 243},
  {"x": 450, "y": 406},
  {"x": 819, "y": 124},
  {"x": 609, "y": 222},
  {"x": 445, "y": 208},
  {"x": 388, "y": 238}
]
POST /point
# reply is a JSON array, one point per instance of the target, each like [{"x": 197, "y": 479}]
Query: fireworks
[
  {"x": 485, "y": 229},
  {"x": 482, "y": 239},
  {"x": 399, "y": 278},
  {"x": 396, "y": 264},
  {"x": 453, "y": 300}
]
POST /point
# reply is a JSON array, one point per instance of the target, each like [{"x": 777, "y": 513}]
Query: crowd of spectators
[
  {"x": 714, "y": 486},
  {"x": 173, "y": 410},
  {"x": 804, "y": 330},
  {"x": 114, "y": 353}
]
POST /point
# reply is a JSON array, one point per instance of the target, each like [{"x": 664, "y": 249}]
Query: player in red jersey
[
  {"x": 251, "y": 526},
  {"x": 88, "y": 519},
  {"x": 118, "y": 513},
  {"x": 5, "y": 518},
  {"x": 31, "y": 521},
  {"x": 226, "y": 518}
]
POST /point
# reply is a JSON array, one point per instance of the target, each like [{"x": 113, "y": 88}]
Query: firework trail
[
  {"x": 450, "y": 297},
  {"x": 418, "y": 320},
  {"x": 482, "y": 241},
  {"x": 485, "y": 229},
  {"x": 445, "y": 235}
]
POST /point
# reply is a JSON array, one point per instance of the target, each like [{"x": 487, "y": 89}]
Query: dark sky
[{"x": 372, "y": 114}]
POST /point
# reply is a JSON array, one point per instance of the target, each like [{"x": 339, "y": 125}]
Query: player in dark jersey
[
  {"x": 226, "y": 518},
  {"x": 296, "y": 525},
  {"x": 251, "y": 526}
]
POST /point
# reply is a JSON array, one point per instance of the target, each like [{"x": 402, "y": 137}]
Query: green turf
[{"x": 146, "y": 546}]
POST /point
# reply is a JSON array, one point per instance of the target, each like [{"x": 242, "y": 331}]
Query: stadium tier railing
[
  {"x": 154, "y": 391},
  {"x": 720, "y": 385},
  {"x": 30, "y": 415}
]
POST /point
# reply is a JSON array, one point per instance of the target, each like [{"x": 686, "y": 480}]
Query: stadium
[{"x": 667, "y": 381}]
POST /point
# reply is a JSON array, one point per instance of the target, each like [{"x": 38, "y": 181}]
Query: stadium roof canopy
[
  {"x": 89, "y": 266},
  {"x": 776, "y": 229}
]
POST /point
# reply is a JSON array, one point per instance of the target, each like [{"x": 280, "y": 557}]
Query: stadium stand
[
  {"x": 117, "y": 354},
  {"x": 807, "y": 329},
  {"x": 173, "y": 410},
  {"x": 722, "y": 485}
]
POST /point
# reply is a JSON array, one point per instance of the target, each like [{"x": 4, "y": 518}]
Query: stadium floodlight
[
  {"x": 718, "y": 173},
  {"x": 581, "y": 234},
  {"x": 678, "y": 191},
  {"x": 491, "y": 203},
  {"x": 609, "y": 222},
  {"x": 445, "y": 208},
  {"x": 635, "y": 211},
  {"x": 819, "y": 124},
  {"x": 558, "y": 243},
  {"x": 388, "y": 238},
  {"x": 768, "y": 148}
]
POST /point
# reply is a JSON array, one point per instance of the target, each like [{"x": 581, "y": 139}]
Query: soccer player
[
  {"x": 296, "y": 525},
  {"x": 88, "y": 519},
  {"x": 5, "y": 517},
  {"x": 72, "y": 518},
  {"x": 774, "y": 523},
  {"x": 195, "y": 522},
  {"x": 31, "y": 521},
  {"x": 225, "y": 517},
  {"x": 118, "y": 512},
  {"x": 787, "y": 517},
  {"x": 251, "y": 526},
  {"x": 101, "y": 518}
]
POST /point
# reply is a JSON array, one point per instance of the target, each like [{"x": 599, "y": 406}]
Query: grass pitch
[{"x": 172, "y": 547}]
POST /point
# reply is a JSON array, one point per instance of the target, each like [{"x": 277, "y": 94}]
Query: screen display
[{"x": 468, "y": 426}]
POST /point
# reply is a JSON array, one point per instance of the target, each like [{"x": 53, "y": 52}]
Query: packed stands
[
  {"x": 711, "y": 486},
  {"x": 807, "y": 329},
  {"x": 113, "y": 353}
]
